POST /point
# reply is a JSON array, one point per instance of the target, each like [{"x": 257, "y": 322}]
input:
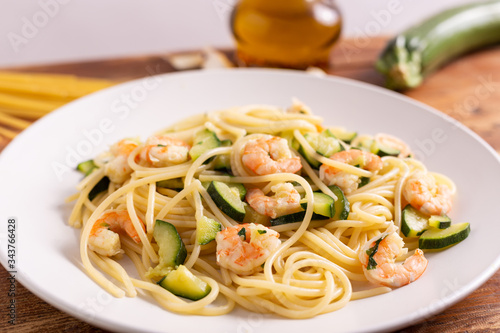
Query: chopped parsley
[
  {"x": 261, "y": 231},
  {"x": 243, "y": 233},
  {"x": 364, "y": 181},
  {"x": 371, "y": 252}
]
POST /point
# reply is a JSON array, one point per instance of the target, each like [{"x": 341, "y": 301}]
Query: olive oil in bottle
[{"x": 285, "y": 33}]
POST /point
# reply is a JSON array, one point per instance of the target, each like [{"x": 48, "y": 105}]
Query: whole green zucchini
[{"x": 416, "y": 52}]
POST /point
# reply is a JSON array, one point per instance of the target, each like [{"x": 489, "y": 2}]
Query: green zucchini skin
[
  {"x": 101, "y": 186},
  {"x": 206, "y": 230},
  {"x": 183, "y": 283},
  {"x": 223, "y": 162},
  {"x": 439, "y": 239},
  {"x": 176, "y": 184},
  {"x": 295, "y": 217},
  {"x": 440, "y": 222},
  {"x": 413, "y": 222},
  {"x": 420, "y": 50},
  {"x": 228, "y": 202},
  {"x": 342, "y": 205},
  {"x": 172, "y": 251},
  {"x": 204, "y": 140},
  {"x": 323, "y": 204},
  {"x": 86, "y": 167}
]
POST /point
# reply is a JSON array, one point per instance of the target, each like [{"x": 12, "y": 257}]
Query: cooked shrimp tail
[
  {"x": 378, "y": 258},
  {"x": 268, "y": 155},
  {"x": 104, "y": 236},
  {"x": 162, "y": 151},
  {"x": 422, "y": 192},
  {"x": 245, "y": 247}
]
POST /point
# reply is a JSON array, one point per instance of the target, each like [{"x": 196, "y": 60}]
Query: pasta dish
[{"x": 261, "y": 207}]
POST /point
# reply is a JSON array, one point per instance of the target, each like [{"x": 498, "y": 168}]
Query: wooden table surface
[{"x": 467, "y": 89}]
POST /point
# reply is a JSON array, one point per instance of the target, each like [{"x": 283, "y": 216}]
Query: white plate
[{"x": 35, "y": 178}]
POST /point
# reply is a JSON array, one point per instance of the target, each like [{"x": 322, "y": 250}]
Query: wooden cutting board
[{"x": 467, "y": 89}]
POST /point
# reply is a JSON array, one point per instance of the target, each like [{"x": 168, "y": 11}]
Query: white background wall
[{"x": 47, "y": 31}]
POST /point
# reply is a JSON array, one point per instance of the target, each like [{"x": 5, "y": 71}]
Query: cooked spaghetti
[{"x": 231, "y": 200}]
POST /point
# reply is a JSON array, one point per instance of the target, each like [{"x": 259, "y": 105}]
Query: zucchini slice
[
  {"x": 101, "y": 186},
  {"x": 295, "y": 217},
  {"x": 434, "y": 239},
  {"x": 342, "y": 205},
  {"x": 309, "y": 158},
  {"x": 183, "y": 283},
  {"x": 86, "y": 167},
  {"x": 174, "y": 183},
  {"x": 288, "y": 136},
  {"x": 289, "y": 218},
  {"x": 328, "y": 144},
  {"x": 382, "y": 150},
  {"x": 324, "y": 143},
  {"x": 364, "y": 144},
  {"x": 252, "y": 216},
  {"x": 204, "y": 140},
  {"x": 206, "y": 230},
  {"x": 223, "y": 162},
  {"x": 439, "y": 221},
  {"x": 227, "y": 200},
  {"x": 323, "y": 204},
  {"x": 172, "y": 251},
  {"x": 238, "y": 189},
  {"x": 342, "y": 134},
  {"x": 413, "y": 223},
  {"x": 226, "y": 143}
]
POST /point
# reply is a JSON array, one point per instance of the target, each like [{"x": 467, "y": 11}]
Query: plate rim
[{"x": 72, "y": 309}]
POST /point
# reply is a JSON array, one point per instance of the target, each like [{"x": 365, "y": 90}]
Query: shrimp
[
  {"x": 245, "y": 247},
  {"x": 378, "y": 258},
  {"x": 422, "y": 192},
  {"x": 162, "y": 151},
  {"x": 345, "y": 180},
  {"x": 116, "y": 166},
  {"x": 286, "y": 200},
  {"x": 393, "y": 142},
  {"x": 104, "y": 238},
  {"x": 268, "y": 155}
]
